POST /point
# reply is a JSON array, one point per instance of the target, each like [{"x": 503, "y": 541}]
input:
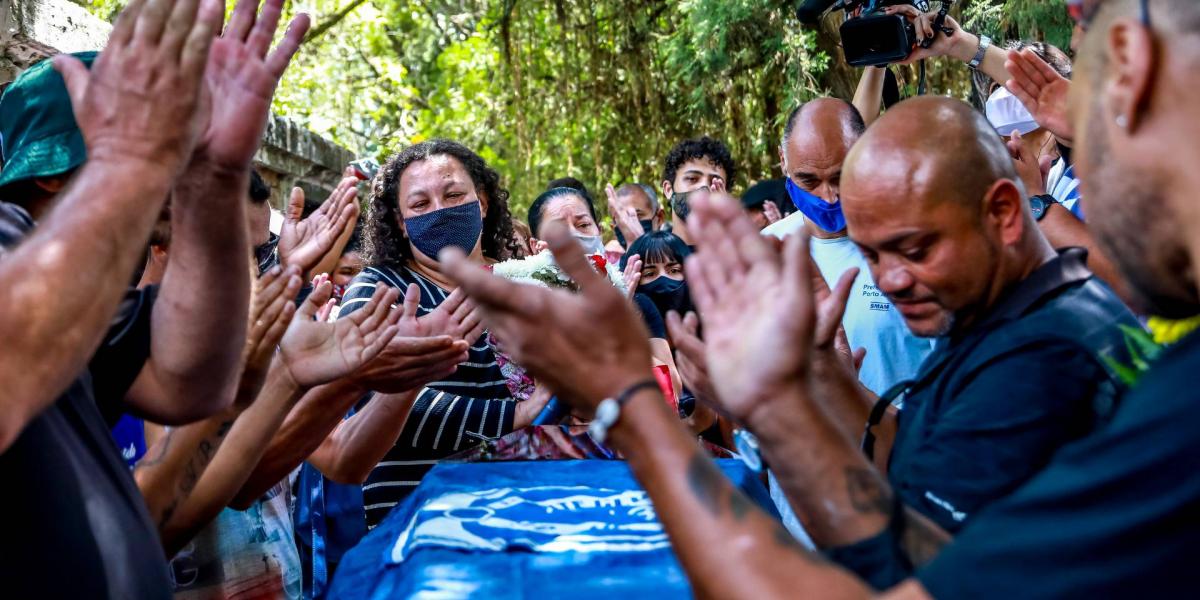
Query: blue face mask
[
  {"x": 457, "y": 226},
  {"x": 827, "y": 216}
]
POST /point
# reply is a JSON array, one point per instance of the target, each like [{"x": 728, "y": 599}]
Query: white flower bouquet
[{"x": 540, "y": 270}]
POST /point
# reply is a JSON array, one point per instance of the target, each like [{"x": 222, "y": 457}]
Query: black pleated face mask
[{"x": 668, "y": 294}]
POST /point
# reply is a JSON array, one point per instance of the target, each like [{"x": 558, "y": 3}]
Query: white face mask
[{"x": 592, "y": 244}]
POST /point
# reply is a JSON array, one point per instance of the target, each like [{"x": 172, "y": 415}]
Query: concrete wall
[{"x": 32, "y": 30}]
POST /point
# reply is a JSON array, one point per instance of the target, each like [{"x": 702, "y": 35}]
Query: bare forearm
[
  {"x": 68, "y": 278},
  {"x": 729, "y": 547},
  {"x": 868, "y": 97},
  {"x": 198, "y": 338},
  {"x": 169, "y": 471},
  {"x": 1063, "y": 230},
  {"x": 243, "y": 446},
  {"x": 357, "y": 444},
  {"x": 838, "y": 495},
  {"x": 843, "y": 399},
  {"x": 966, "y": 46},
  {"x": 302, "y": 432}
]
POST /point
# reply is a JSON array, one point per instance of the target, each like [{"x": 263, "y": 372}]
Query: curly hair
[
  {"x": 384, "y": 242},
  {"x": 704, "y": 147}
]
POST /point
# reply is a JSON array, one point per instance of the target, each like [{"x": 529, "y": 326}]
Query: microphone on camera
[{"x": 809, "y": 12}]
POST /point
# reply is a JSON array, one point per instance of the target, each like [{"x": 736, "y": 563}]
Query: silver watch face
[{"x": 608, "y": 411}]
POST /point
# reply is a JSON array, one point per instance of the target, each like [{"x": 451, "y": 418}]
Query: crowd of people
[{"x": 928, "y": 333}]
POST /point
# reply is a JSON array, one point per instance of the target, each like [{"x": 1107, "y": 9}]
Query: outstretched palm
[
  {"x": 316, "y": 352},
  {"x": 304, "y": 242},
  {"x": 240, "y": 79},
  {"x": 1042, "y": 90},
  {"x": 756, "y": 305}
]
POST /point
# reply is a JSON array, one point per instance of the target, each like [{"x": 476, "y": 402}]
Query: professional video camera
[{"x": 871, "y": 38}]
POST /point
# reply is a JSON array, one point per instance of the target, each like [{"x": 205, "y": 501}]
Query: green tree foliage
[{"x": 595, "y": 89}]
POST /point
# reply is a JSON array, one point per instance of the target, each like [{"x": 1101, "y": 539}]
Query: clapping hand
[
  {"x": 771, "y": 212},
  {"x": 315, "y": 352},
  {"x": 426, "y": 348},
  {"x": 690, "y": 357},
  {"x": 633, "y": 274},
  {"x": 756, "y": 303},
  {"x": 272, "y": 307},
  {"x": 241, "y": 79},
  {"x": 564, "y": 339},
  {"x": 304, "y": 242},
  {"x": 142, "y": 100},
  {"x": 1031, "y": 169},
  {"x": 457, "y": 317},
  {"x": 1042, "y": 90}
]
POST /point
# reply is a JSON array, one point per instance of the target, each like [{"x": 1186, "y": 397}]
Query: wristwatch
[
  {"x": 985, "y": 42},
  {"x": 1040, "y": 203}
]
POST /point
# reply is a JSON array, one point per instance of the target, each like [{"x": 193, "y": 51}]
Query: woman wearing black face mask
[
  {"x": 662, "y": 289},
  {"x": 432, "y": 196},
  {"x": 662, "y": 255}
]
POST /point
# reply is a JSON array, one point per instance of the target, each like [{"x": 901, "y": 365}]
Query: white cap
[{"x": 1006, "y": 113}]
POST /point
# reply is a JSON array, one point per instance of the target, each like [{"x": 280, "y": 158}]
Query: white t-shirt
[{"x": 893, "y": 353}]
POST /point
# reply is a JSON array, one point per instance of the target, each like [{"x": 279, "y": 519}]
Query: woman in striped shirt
[{"x": 435, "y": 195}]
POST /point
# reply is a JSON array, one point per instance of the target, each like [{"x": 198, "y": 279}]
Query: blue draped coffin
[{"x": 527, "y": 529}]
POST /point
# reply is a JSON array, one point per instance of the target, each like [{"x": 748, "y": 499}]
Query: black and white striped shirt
[{"x": 474, "y": 399}]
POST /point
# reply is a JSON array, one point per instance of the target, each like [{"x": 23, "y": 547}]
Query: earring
[{"x": 1122, "y": 121}]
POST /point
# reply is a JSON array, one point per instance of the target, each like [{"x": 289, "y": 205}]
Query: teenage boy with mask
[{"x": 702, "y": 163}]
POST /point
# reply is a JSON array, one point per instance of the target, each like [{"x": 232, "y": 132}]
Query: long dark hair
[{"x": 384, "y": 242}]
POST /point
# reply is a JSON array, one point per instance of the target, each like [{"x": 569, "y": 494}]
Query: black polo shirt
[
  {"x": 75, "y": 524},
  {"x": 1115, "y": 515},
  {"x": 991, "y": 405}
]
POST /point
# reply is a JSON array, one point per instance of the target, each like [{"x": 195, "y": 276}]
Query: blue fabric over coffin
[{"x": 529, "y": 529}]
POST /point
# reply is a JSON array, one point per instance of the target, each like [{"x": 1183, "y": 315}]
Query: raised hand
[
  {"x": 1031, "y": 169},
  {"x": 241, "y": 79},
  {"x": 1042, "y": 90},
  {"x": 690, "y": 357},
  {"x": 141, "y": 100},
  {"x": 315, "y": 352},
  {"x": 457, "y": 316},
  {"x": 624, "y": 216},
  {"x": 564, "y": 339},
  {"x": 771, "y": 212},
  {"x": 272, "y": 307},
  {"x": 943, "y": 45},
  {"x": 756, "y": 304},
  {"x": 633, "y": 274},
  {"x": 304, "y": 242}
]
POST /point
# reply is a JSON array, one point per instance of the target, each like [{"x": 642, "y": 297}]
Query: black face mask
[
  {"x": 647, "y": 227},
  {"x": 668, "y": 295},
  {"x": 680, "y": 206}
]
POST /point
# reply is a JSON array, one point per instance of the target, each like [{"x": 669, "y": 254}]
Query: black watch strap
[{"x": 1040, "y": 205}]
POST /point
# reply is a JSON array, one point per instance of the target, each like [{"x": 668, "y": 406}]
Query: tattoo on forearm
[
  {"x": 868, "y": 491},
  {"x": 922, "y": 539},
  {"x": 714, "y": 491},
  {"x": 194, "y": 469},
  {"x": 163, "y": 445}
]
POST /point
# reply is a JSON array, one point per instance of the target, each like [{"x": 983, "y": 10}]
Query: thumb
[
  {"x": 75, "y": 75},
  {"x": 316, "y": 300},
  {"x": 295, "y": 207}
]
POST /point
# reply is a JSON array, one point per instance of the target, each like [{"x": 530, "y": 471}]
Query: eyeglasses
[{"x": 1084, "y": 11}]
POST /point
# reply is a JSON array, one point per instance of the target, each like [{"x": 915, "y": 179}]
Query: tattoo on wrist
[{"x": 869, "y": 493}]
